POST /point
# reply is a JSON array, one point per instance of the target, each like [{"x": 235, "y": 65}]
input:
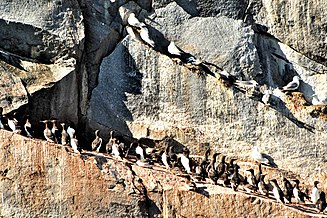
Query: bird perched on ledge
[
  {"x": 293, "y": 85},
  {"x": 189, "y": 60},
  {"x": 97, "y": 142}
]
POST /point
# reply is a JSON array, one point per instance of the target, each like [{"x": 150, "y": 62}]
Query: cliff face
[
  {"x": 74, "y": 60},
  {"x": 40, "y": 179}
]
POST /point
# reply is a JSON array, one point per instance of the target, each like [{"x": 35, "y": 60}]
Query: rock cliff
[{"x": 75, "y": 61}]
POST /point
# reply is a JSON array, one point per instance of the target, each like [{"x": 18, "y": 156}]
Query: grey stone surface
[
  {"x": 173, "y": 101},
  {"x": 44, "y": 30}
]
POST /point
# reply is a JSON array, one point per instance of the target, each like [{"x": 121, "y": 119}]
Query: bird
[
  {"x": 189, "y": 60},
  {"x": 298, "y": 194},
  {"x": 230, "y": 167},
  {"x": 2, "y": 119},
  {"x": 116, "y": 149},
  {"x": 288, "y": 190},
  {"x": 278, "y": 194},
  {"x": 64, "y": 135},
  {"x": 246, "y": 85},
  {"x": 55, "y": 131},
  {"x": 203, "y": 165},
  {"x": 293, "y": 85},
  {"x": 139, "y": 150},
  {"x": 70, "y": 130},
  {"x": 266, "y": 96},
  {"x": 174, "y": 50},
  {"x": 222, "y": 167},
  {"x": 111, "y": 141},
  {"x": 28, "y": 128},
  {"x": 74, "y": 143},
  {"x": 261, "y": 157},
  {"x": 47, "y": 132},
  {"x": 235, "y": 178},
  {"x": 97, "y": 142},
  {"x": 251, "y": 178},
  {"x": 257, "y": 177},
  {"x": 172, "y": 156},
  {"x": 262, "y": 186},
  {"x": 185, "y": 160},
  {"x": 133, "y": 21},
  {"x": 144, "y": 34},
  {"x": 211, "y": 169},
  {"x": 12, "y": 123},
  {"x": 321, "y": 203},
  {"x": 317, "y": 100},
  {"x": 227, "y": 79},
  {"x": 315, "y": 193},
  {"x": 165, "y": 157}
]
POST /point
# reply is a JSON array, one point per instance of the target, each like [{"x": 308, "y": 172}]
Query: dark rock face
[{"x": 75, "y": 61}]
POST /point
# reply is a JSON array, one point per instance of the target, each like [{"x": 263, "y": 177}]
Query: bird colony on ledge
[{"x": 214, "y": 171}]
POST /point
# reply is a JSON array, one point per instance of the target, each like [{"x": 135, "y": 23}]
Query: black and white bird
[
  {"x": 227, "y": 79},
  {"x": 97, "y": 142},
  {"x": 12, "y": 123},
  {"x": 74, "y": 143},
  {"x": 134, "y": 22},
  {"x": 140, "y": 151},
  {"x": 189, "y": 60},
  {"x": 315, "y": 193},
  {"x": 28, "y": 128},
  {"x": 293, "y": 85},
  {"x": 112, "y": 140},
  {"x": 298, "y": 194},
  {"x": 235, "y": 179},
  {"x": 288, "y": 190},
  {"x": 278, "y": 193},
  {"x": 262, "y": 186},
  {"x": 202, "y": 168},
  {"x": 321, "y": 203},
  {"x": 230, "y": 167},
  {"x": 251, "y": 178},
  {"x": 222, "y": 167},
  {"x": 70, "y": 130},
  {"x": 185, "y": 160},
  {"x": 116, "y": 149},
  {"x": 64, "y": 135},
  {"x": 2, "y": 119},
  {"x": 145, "y": 36},
  {"x": 48, "y": 135},
  {"x": 211, "y": 169},
  {"x": 165, "y": 157},
  {"x": 55, "y": 131}
]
